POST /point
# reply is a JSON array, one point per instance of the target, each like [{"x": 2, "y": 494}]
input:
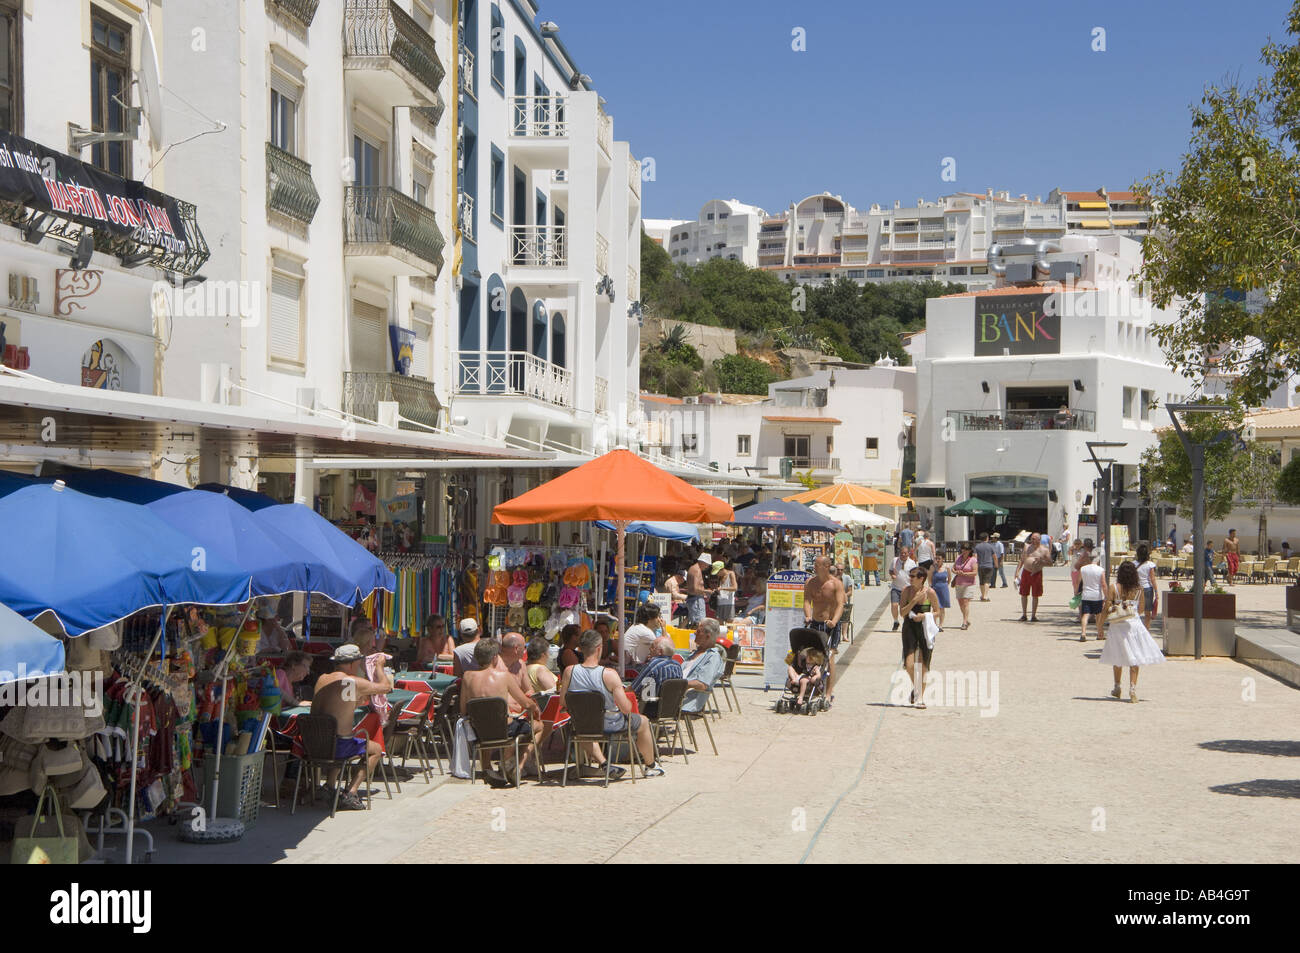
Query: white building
[
  {"x": 725, "y": 228},
  {"x": 660, "y": 230},
  {"x": 848, "y": 424},
  {"x": 1014, "y": 382}
]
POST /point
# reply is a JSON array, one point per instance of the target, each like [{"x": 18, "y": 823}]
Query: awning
[
  {"x": 803, "y": 420},
  {"x": 1095, "y": 205},
  {"x": 1127, "y": 222},
  {"x": 1095, "y": 223},
  {"x": 54, "y": 194}
]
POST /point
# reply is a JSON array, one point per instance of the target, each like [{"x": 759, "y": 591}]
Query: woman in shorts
[
  {"x": 939, "y": 583},
  {"x": 964, "y": 575},
  {"x": 1146, "y": 570}
]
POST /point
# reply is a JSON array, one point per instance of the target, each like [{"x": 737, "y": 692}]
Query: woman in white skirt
[{"x": 1129, "y": 643}]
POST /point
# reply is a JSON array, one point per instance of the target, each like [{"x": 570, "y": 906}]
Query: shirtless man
[
  {"x": 823, "y": 604},
  {"x": 495, "y": 681},
  {"x": 1030, "y": 577},
  {"x": 1232, "y": 553},
  {"x": 338, "y": 693},
  {"x": 514, "y": 656},
  {"x": 697, "y": 593}
]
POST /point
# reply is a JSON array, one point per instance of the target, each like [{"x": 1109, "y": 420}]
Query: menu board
[
  {"x": 784, "y": 612},
  {"x": 1087, "y": 528},
  {"x": 810, "y": 553},
  {"x": 751, "y": 639}
]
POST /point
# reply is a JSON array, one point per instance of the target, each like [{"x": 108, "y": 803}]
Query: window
[
  {"x": 285, "y": 330},
  {"x": 873, "y": 448},
  {"x": 498, "y": 50},
  {"x": 1130, "y": 398},
  {"x": 690, "y": 443},
  {"x": 369, "y": 337},
  {"x": 1148, "y": 398},
  {"x": 796, "y": 447},
  {"x": 742, "y": 445},
  {"x": 722, "y": 215},
  {"x": 366, "y": 159},
  {"x": 285, "y": 96},
  {"x": 110, "y": 88},
  {"x": 421, "y": 173},
  {"x": 498, "y": 186},
  {"x": 830, "y": 445},
  {"x": 11, "y": 66},
  {"x": 710, "y": 216}
]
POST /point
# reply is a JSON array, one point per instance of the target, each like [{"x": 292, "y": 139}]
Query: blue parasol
[{"x": 25, "y": 650}]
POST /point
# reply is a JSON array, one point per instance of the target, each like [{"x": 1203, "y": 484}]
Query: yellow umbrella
[{"x": 849, "y": 493}]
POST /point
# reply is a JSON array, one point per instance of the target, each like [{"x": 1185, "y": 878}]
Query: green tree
[
  {"x": 1228, "y": 223},
  {"x": 1288, "y": 483},
  {"x": 656, "y": 265},
  {"x": 1168, "y": 466},
  {"x": 738, "y": 374}
]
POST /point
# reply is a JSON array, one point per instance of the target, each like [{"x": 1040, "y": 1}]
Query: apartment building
[{"x": 725, "y": 228}]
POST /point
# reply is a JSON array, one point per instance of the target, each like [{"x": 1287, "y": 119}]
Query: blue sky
[{"x": 1012, "y": 90}]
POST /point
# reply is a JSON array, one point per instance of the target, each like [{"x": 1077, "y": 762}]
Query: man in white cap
[
  {"x": 338, "y": 693},
  {"x": 273, "y": 639},
  {"x": 463, "y": 655},
  {"x": 697, "y": 593}
]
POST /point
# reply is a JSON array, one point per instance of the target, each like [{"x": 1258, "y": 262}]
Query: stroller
[{"x": 815, "y": 699}]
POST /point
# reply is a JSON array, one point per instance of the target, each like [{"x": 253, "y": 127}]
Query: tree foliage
[
  {"x": 738, "y": 374},
  {"x": 1288, "y": 483},
  {"x": 1167, "y": 465},
  {"x": 1228, "y": 223}
]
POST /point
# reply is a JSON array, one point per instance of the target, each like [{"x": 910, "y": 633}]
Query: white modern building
[
  {"x": 848, "y": 424},
  {"x": 1016, "y": 380},
  {"x": 726, "y": 228},
  {"x": 660, "y": 230}
]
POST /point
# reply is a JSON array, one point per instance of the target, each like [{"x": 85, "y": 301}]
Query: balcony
[
  {"x": 634, "y": 176},
  {"x": 633, "y": 284},
  {"x": 539, "y": 117},
  {"x": 430, "y": 114},
  {"x": 289, "y": 188},
  {"x": 604, "y": 131},
  {"x": 1085, "y": 420},
  {"x": 467, "y": 71},
  {"x": 389, "y": 56},
  {"x": 380, "y": 222},
  {"x": 539, "y": 246},
  {"x": 602, "y": 394},
  {"x": 602, "y": 254},
  {"x": 467, "y": 216},
  {"x": 513, "y": 374},
  {"x": 824, "y": 465},
  {"x": 301, "y": 11},
  {"x": 416, "y": 399}
]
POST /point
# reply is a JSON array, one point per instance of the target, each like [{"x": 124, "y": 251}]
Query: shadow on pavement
[
  {"x": 1260, "y": 787},
  {"x": 1289, "y": 749}
]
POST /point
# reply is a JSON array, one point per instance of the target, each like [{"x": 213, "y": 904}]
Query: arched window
[{"x": 541, "y": 331}]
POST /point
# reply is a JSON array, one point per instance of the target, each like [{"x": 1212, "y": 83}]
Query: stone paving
[{"x": 1205, "y": 768}]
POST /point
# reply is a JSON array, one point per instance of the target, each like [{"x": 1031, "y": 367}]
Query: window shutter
[
  {"x": 286, "y": 319},
  {"x": 369, "y": 337},
  {"x": 421, "y": 360}
]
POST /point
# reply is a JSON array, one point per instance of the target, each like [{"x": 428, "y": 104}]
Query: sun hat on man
[
  {"x": 706, "y": 559},
  {"x": 347, "y": 652},
  {"x": 468, "y": 626}
]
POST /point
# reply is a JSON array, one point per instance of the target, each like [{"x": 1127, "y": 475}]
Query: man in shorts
[
  {"x": 1232, "y": 553},
  {"x": 900, "y": 573},
  {"x": 823, "y": 605},
  {"x": 1000, "y": 551},
  {"x": 1092, "y": 592},
  {"x": 986, "y": 558},
  {"x": 338, "y": 694},
  {"x": 490, "y": 680},
  {"x": 697, "y": 593},
  {"x": 1030, "y": 577}
]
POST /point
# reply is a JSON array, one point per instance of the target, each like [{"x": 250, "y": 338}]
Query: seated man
[
  {"x": 491, "y": 680},
  {"x": 338, "y": 693},
  {"x": 514, "y": 658},
  {"x": 659, "y": 668},
  {"x": 591, "y": 676},
  {"x": 436, "y": 645},
  {"x": 703, "y": 668}
]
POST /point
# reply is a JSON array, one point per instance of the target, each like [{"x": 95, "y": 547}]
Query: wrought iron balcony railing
[
  {"x": 416, "y": 399},
  {"x": 431, "y": 114},
  {"x": 384, "y": 216},
  {"x": 304, "y": 11},
  {"x": 289, "y": 187},
  {"x": 380, "y": 28}
]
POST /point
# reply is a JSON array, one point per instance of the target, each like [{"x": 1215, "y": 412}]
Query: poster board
[
  {"x": 665, "y": 603},
  {"x": 751, "y": 639},
  {"x": 1119, "y": 538},
  {"x": 1087, "y": 528},
  {"x": 784, "y": 612},
  {"x": 810, "y": 553}
]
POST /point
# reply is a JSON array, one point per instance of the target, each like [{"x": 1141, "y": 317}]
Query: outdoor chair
[
  {"x": 587, "y": 724},
  {"x": 318, "y": 734},
  {"x": 435, "y": 729},
  {"x": 690, "y": 717},
  {"x": 447, "y": 714},
  {"x": 389, "y": 734},
  {"x": 1292, "y": 570},
  {"x": 412, "y": 727},
  {"x": 724, "y": 681},
  {"x": 490, "y": 718},
  {"x": 1269, "y": 569},
  {"x": 668, "y": 721}
]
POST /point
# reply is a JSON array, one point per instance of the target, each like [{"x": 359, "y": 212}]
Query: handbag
[
  {"x": 1122, "y": 612},
  {"x": 1075, "y": 601},
  {"x": 58, "y": 834}
]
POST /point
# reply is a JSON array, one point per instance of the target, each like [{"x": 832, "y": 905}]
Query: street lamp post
[
  {"x": 1104, "y": 490},
  {"x": 1196, "y": 455}
]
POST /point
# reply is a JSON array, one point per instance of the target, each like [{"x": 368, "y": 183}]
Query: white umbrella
[{"x": 846, "y": 514}]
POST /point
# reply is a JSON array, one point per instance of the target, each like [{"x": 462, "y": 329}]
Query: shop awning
[
  {"x": 45, "y": 192},
  {"x": 681, "y": 532}
]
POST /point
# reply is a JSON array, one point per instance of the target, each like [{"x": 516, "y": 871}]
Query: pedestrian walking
[
  {"x": 1000, "y": 551},
  {"x": 1147, "y": 579},
  {"x": 1130, "y": 644},
  {"x": 986, "y": 558},
  {"x": 939, "y": 583},
  {"x": 964, "y": 570},
  {"x": 918, "y": 648},
  {"x": 1029, "y": 578},
  {"x": 900, "y": 571},
  {"x": 1232, "y": 554},
  {"x": 1092, "y": 593}
]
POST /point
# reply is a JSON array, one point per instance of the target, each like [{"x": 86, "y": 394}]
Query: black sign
[
  {"x": 1016, "y": 324},
  {"x": 140, "y": 218}
]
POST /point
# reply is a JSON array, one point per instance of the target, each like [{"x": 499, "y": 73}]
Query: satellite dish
[{"x": 150, "y": 82}]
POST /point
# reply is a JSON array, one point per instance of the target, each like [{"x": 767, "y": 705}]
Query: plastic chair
[
  {"x": 412, "y": 725},
  {"x": 319, "y": 736},
  {"x": 490, "y": 718},
  {"x": 724, "y": 680},
  {"x": 587, "y": 724}
]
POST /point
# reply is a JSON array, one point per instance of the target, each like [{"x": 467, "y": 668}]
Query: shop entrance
[{"x": 1024, "y": 496}]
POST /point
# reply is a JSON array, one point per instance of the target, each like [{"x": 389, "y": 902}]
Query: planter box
[
  {"x": 1293, "y": 608},
  {"x": 1218, "y": 624}
]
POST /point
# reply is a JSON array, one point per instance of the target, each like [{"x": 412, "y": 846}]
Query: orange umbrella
[
  {"x": 621, "y": 487},
  {"x": 850, "y": 493}
]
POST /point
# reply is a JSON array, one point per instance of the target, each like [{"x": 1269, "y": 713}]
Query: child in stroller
[{"x": 805, "y": 688}]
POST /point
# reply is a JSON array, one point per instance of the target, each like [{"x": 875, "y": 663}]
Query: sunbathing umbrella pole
[
  {"x": 213, "y": 829},
  {"x": 620, "y": 590},
  {"x": 134, "y": 696}
]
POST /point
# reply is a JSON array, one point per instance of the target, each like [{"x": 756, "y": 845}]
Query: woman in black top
[{"x": 916, "y": 600}]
